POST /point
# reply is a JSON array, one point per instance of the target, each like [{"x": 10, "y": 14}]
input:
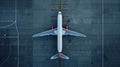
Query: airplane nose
[{"x": 59, "y": 12}]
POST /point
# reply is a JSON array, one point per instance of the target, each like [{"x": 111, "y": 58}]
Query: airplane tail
[{"x": 59, "y": 56}]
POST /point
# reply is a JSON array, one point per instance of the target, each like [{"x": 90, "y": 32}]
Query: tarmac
[{"x": 98, "y": 19}]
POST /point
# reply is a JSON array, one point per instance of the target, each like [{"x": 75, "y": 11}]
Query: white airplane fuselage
[{"x": 59, "y": 32}]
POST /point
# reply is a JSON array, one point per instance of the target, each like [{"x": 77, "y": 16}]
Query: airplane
[{"x": 59, "y": 32}]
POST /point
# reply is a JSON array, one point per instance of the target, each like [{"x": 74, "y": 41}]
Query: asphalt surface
[{"x": 98, "y": 19}]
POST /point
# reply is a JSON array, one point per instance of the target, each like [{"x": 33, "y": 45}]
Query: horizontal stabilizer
[{"x": 56, "y": 56}]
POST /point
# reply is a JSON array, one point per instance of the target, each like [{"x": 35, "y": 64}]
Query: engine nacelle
[
  {"x": 66, "y": 27},
  {"x": 52, "y": 27}
]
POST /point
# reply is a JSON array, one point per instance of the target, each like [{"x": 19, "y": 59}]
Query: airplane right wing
[
  {"x": 73, "y": 33},
  {"x": 49, "y": 32}
]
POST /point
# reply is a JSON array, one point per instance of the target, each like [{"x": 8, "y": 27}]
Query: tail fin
[{"x": 59, "y": 56}]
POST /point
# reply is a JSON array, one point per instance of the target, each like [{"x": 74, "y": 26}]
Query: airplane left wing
[
  {"x": 73, "y": 33},
  {"x": 46, "y": 33}
]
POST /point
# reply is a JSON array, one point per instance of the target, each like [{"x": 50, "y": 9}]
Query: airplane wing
[
  {"x": 46, "y": 33},
  {"x": 73, "y": 33}
]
